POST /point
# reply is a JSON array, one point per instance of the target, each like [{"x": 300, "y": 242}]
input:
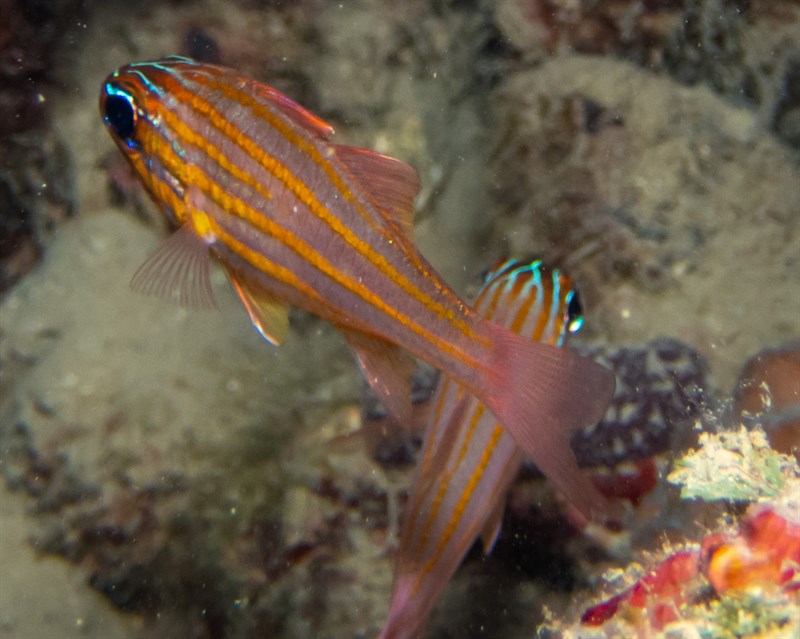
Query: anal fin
[{"x": 387, "y": 369}]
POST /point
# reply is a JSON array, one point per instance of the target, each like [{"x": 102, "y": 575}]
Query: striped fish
[
  {"x": 253, "y": 180},
  {"x": 468, "y": 459}
]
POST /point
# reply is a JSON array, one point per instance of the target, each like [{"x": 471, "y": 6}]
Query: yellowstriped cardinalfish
[
  {"x": 253, "y": 180},
  {"x": 468, "y": 459}
]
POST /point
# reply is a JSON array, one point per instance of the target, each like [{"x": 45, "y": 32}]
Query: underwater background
[{"x": 164, "y": 473}]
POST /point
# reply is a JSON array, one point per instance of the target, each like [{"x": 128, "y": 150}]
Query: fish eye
[
  {"x": 119, "y": 114},
  {"x": 574, "y": 312}
]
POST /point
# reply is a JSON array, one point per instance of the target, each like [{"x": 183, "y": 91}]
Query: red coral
[
  {"x": 661, "y": 592},
  {"x": 765, "y": 553}
]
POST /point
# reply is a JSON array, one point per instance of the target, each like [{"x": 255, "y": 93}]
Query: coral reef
[
  {"x": 638, "y": 203},
  {"x": 740, "y": 581},
  {"x": 735, "y": 465},
  {"x": 746, "y": 51}
]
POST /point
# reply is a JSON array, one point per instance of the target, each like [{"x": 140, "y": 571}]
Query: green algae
[
  {"x": 733, "y": 465},
  {"x": 747, "y": 614}
]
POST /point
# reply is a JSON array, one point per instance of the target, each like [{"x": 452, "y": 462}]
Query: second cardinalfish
[
  {"x": 254, "y": 180},
  {"x": 468, "y": 459}
]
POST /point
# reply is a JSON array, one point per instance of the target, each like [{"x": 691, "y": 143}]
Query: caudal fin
[{"x": 540, "y": 393}]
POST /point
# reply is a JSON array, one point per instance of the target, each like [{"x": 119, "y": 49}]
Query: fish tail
[
  {"x": 540, "y": 393},
  {"x": 407, "y": 617}
]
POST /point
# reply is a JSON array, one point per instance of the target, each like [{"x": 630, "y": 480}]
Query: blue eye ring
[{"x": 120, "y": 114}]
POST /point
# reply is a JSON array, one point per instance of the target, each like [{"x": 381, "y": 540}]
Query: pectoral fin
[
  {"x": 178, "y": 271},
  {"x": 387, "y": 368},
  {"x": 269, "y": 315}
]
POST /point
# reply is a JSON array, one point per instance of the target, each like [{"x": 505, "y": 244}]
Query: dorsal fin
[
  {"x": 390, "y": 184},
  {"x": 296, "y": 113}
]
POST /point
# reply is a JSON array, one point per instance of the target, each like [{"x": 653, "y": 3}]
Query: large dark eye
[
  {"x": 119, "y": 113},
  {"x": 574, "y": 312}
]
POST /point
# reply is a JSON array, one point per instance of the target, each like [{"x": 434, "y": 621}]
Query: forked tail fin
[{"x": 540, "y": 393}]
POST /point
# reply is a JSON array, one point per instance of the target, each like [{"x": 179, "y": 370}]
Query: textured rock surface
[
  {"x": 155, "y": 443},
  {"x": 675, "y": 211}
]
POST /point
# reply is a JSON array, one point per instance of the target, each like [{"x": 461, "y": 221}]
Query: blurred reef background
[{"x": 165, "y": 473}]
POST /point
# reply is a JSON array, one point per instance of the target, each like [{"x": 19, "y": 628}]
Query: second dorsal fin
[{"x": 390, "y": 184}]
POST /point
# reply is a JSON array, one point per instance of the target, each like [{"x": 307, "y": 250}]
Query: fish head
[
  {"x": 533, "y": 298},
  {"x": 141, "y": 111}
]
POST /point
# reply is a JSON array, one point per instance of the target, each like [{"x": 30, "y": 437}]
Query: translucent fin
[
  {"x": 390, "y": 184},
  {"x": 491, "y": 529},
  {"x": 178, "y": 271},
  {"x": 387, "y": 368},
  {"x": 540, "y": 393},
  {"x": 269, "y": 315},
  {"x": 296, "y": 113}
]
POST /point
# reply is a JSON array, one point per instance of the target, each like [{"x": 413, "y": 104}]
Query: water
[{"x": 168, "y": 474}]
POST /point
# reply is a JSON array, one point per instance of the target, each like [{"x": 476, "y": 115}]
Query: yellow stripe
[
  {"x": 298, "y": 141},
  {"x": 461, "y": 505},
  {"x": 493, "y": 302},
  {"x": 447, "y": 476},
  {"x": 479, "y": 471},
  {"x": 264, "y": 265},
  {"x": 194, "y": 175},
  {"x": 436, "y": 417},
  {"x": 308, "y": 198},
  {"x": 522, "y": 313},
  {"x": 188, "y": 135}
]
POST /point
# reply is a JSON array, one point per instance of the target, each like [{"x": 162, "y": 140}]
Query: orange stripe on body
[
  {"x": 194, "y": 175},
  {"x": 264, "y": 265},
  {"x": 497, "y": 296},
  {"x": 493, "y": 302},
  {"x": 277, "y": 123},
  {"x": 445, "y": 384},
  {"x": 522, "y": 313},
  {"x": 187, "y": 134},
  {"x": 447, "y": 476},
  {"x": 496, "y": 291},
  {"x": 463, "y": 501},
  {"x": 307, "y": 197}
]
